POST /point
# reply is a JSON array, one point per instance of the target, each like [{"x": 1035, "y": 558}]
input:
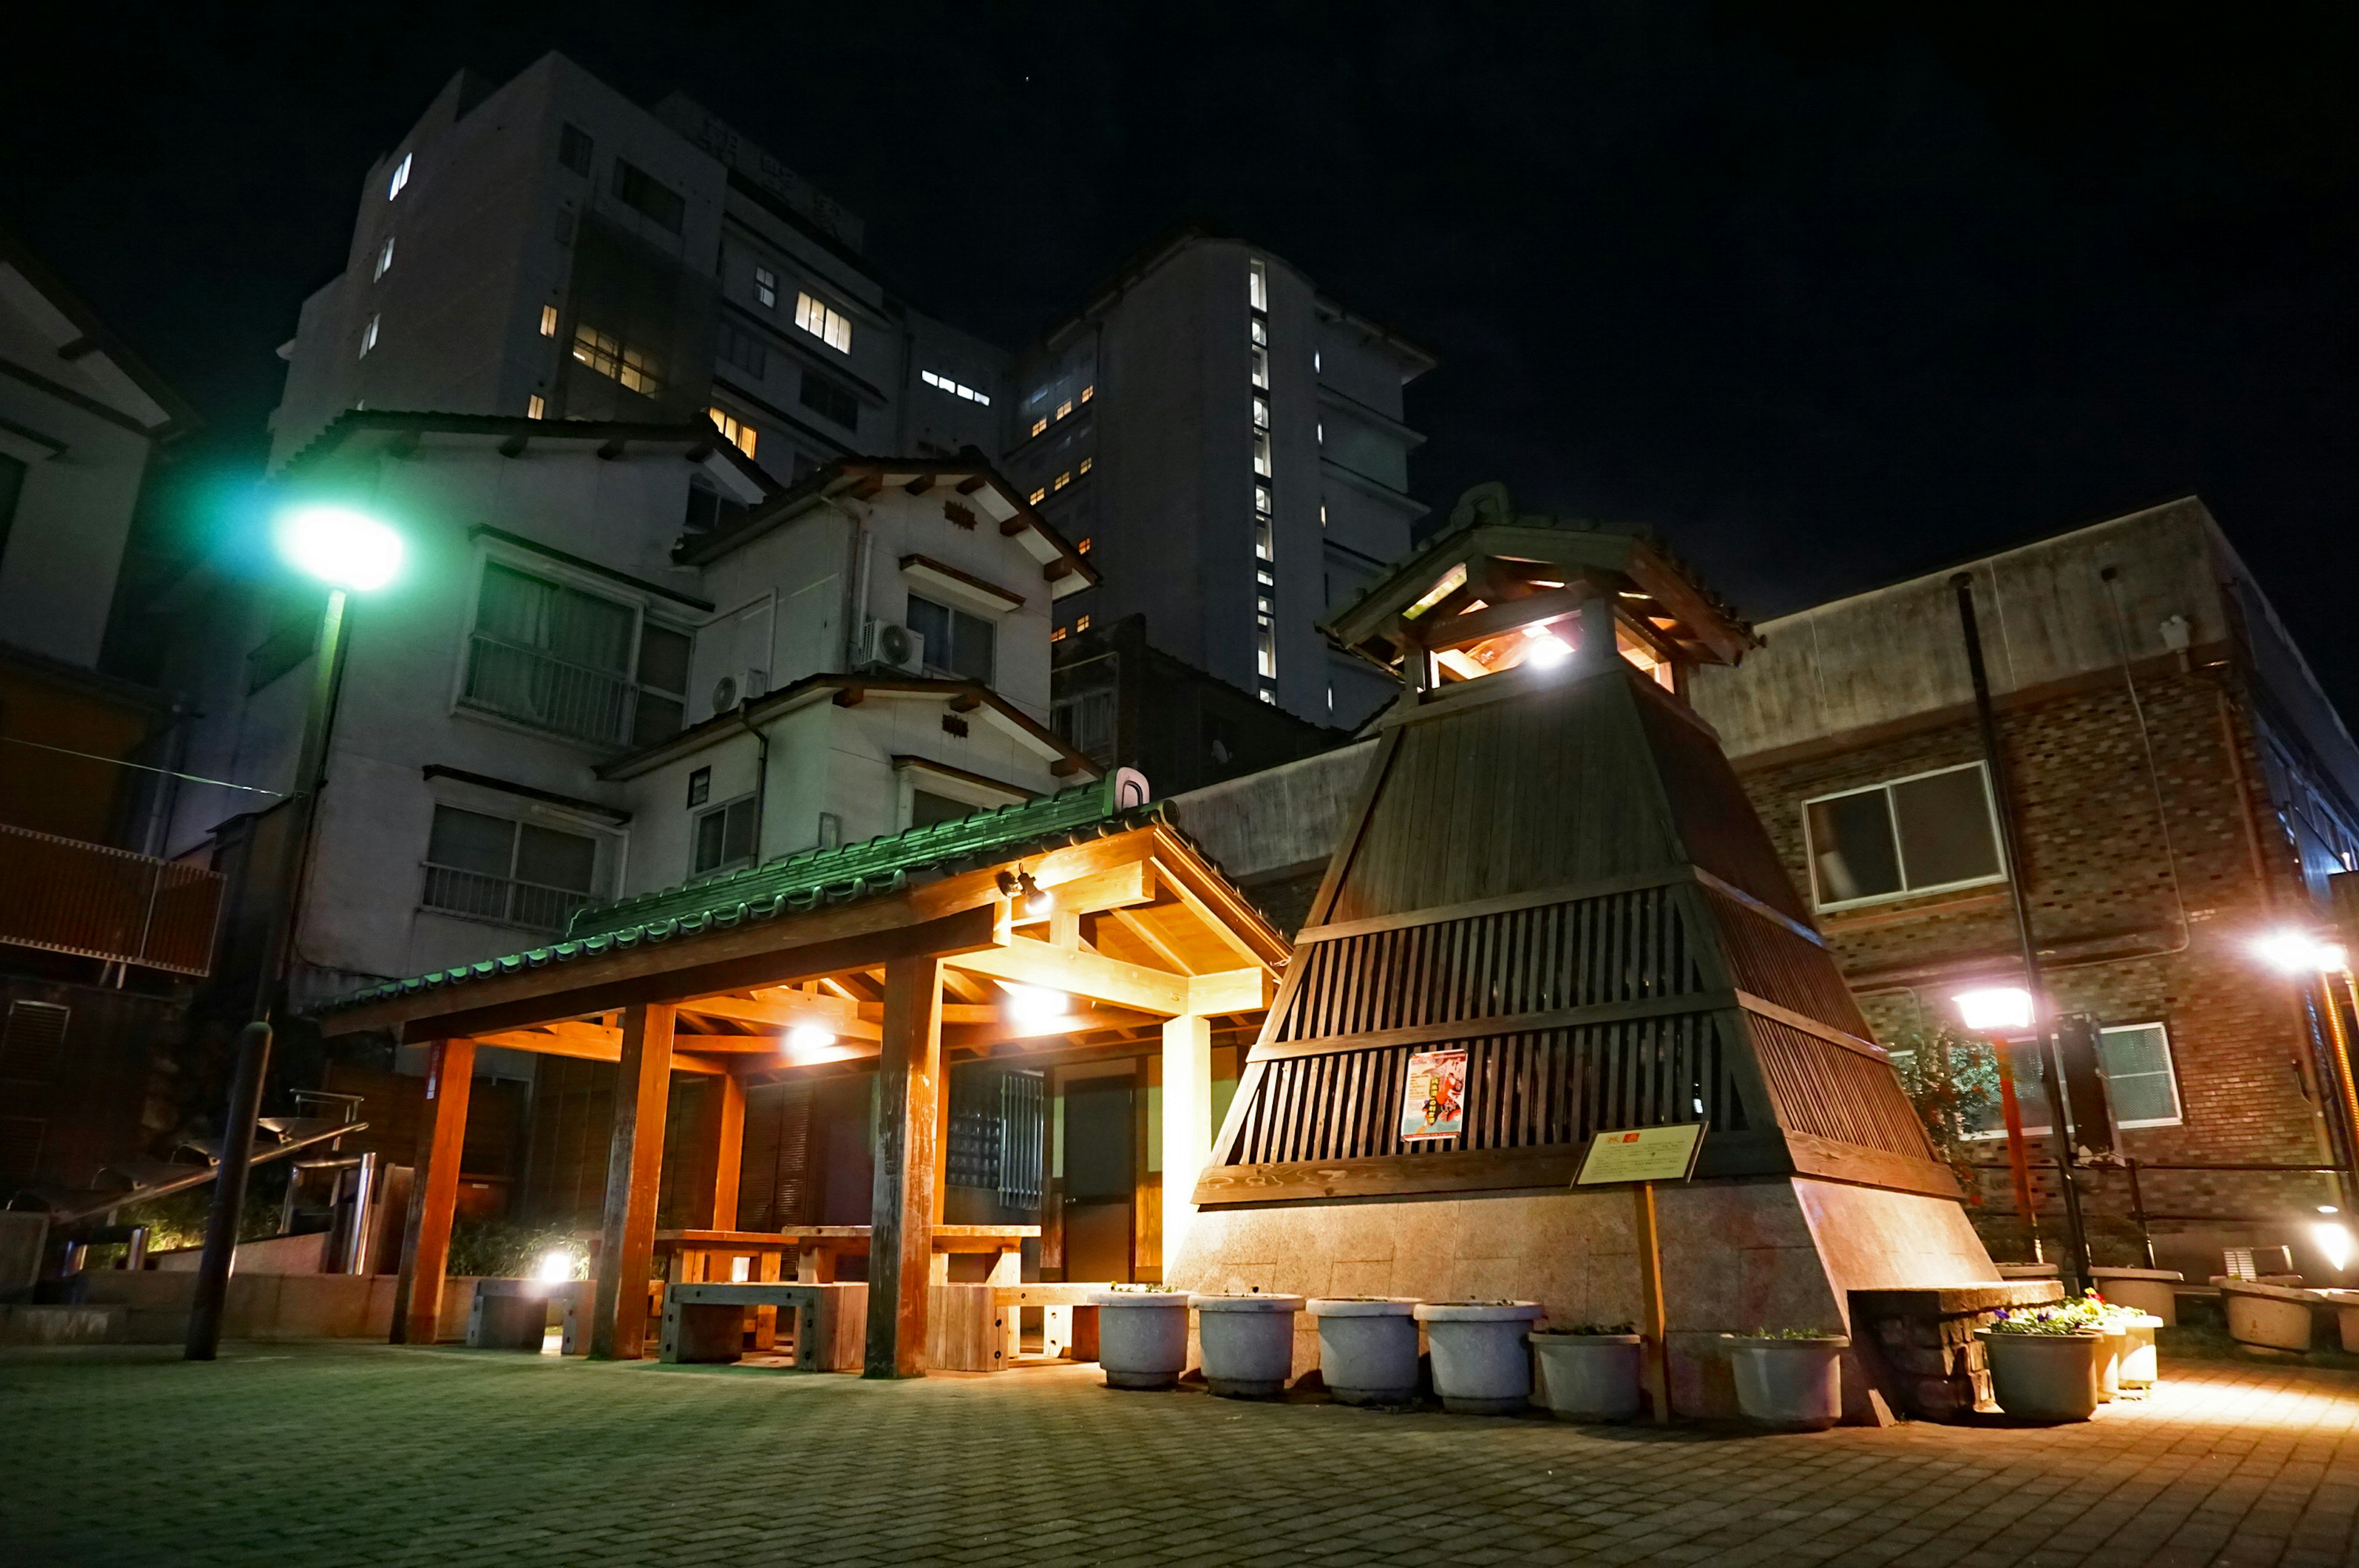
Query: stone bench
[
  {"x": 705, "y": 1323},
  {"x": 512, "y": 1314}
]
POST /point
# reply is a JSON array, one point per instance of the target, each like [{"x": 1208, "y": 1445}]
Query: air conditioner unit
[{"x": 893, "y": 648}]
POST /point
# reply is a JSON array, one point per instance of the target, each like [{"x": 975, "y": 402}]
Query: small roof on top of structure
[{"x": 1486, "y": 523}]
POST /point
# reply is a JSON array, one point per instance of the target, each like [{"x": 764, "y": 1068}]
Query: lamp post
[
  {"x": 2314, "y": 959},
  {"x": 349, "y": 552}
]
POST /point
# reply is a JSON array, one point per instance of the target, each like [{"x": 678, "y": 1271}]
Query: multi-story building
[
  {"x": 1227, "y": 442},
  {"x": 547, "y": 249}
]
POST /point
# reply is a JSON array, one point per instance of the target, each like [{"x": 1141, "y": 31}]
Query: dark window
[
  {"x": 663, "y": 684},
  {"x": 552, "y": 656},
  {"x": 926, "y": 808},
  {"x": 706, "y": 509},
  {"x": 745, "y": 352},
  {"x": 1931, "y": 831},
  {"x": 645, "y": 194},
  {"x": 574, "y": 148},
  {"x": 29, "y": 1043},
  {"x": 956, "y": 642},
  {"x": 725, "y": 838},
  {"x": 12, "y": 487},
  {"x": 519, "y": 873},
  {"x": 700, "y": 787},
  {"x": 830, "y": 401}
]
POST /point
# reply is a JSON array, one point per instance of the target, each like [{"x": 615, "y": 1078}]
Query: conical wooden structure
[{"x": 1554, "y": 870}]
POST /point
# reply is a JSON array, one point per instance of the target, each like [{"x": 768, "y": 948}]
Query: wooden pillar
[
  {"x": 724, "y": 1129},
  {"x": 900, "y": 1238},
  {"x": 618, "y": 1324},
  {"x": 433, "y": 1193},
  {"x": 1187, "y": 1125}
]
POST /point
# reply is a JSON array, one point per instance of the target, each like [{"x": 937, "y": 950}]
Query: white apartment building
[
  {"x": 546, "y": 248},
  {"x": 1226, "y": 441},
  {"x": 552, "y": 705}
]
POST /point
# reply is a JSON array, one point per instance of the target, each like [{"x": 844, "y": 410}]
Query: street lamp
[
  {"x": 2307, "y": 956},
  {"x": 351, "y": 552}
]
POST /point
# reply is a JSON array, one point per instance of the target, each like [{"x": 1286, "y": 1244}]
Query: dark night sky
[{"x": 1826, "y": 295}]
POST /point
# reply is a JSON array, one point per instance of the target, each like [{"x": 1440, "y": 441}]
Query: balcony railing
[
  {"x": 62, "y": 895},
  {"x": 533, "y": 687},
  {"x": 531, "y": 905}
]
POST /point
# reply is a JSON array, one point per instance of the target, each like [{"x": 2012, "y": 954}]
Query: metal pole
[
  {"x": 244, "y": 1107},
  {"x": 2018, "y": 1159},
  {"x": 2075, "y": 1261}
]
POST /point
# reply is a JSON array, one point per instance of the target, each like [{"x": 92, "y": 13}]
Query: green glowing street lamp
[{"x": 352, "y": 553}]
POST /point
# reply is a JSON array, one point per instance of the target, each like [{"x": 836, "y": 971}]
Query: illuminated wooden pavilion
[{"x": 913, "y": 950}]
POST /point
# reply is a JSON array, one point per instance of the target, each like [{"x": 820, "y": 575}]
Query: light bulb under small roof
[
  {"x": 1036, "y": 1004},
  {"x": 1546, "y": 650},
  {"x": 808, "y": 1037},
  {"x": 1992, "y": 1008},
  {"x": 341, "y": 547},
  {"x": 2297, "y": 952}
]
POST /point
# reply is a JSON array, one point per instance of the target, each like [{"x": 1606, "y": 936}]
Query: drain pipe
[
  {"x": 761, "y": 773},
  {"x": 2076, "y": 1241}
]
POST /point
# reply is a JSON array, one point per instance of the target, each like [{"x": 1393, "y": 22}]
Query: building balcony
[{"x": 62, "y": 895}]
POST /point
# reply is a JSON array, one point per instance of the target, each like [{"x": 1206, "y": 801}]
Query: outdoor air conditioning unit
[{"x": 895, "y": 647}]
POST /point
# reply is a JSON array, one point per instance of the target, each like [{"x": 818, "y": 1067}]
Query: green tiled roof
[{"x": 798, "y": 883}]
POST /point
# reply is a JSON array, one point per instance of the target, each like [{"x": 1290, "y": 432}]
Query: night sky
[{"x": 1826, "y": 295}]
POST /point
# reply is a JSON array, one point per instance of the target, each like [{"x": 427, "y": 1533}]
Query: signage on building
[
  {"x": 1642, "y": 1154},
  {"x": 1433, "y": 1100}
]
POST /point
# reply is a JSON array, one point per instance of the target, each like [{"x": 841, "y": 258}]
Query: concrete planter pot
[
  {"x": 2044, "y": 1377},
  {"x": 2141, "y": 1290},
  {"x": 1481, "y": 1365},
  {"x": 1793, "y": 1385},
  {"x": 1248, "y": 1343},
  {"x": 1142, "y": 1337},
  {"x": 2141, "y": 1368},
  {"x": 1589, "y": 1377},
  {"x": 1367, "y": 1348},
  {"x": 2276, "y": 1317},
  {"x": 2114, "y": 1342}
]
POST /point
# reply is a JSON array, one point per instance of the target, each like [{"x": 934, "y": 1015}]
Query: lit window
[
  {"x": 1914, "y": 835},
  {"x": 1261, "y": 500},
  {"x": 536, "y": 406},
  {"x": 385, "y": 257},
  {"x": 549, "y": 320},
  {"x": 1081, "y": 624},
  {"x": 368, "y": 336},
  {"x": 1261, "y": 412},
  {"x": 1322, "y": 515},
  {"x": 733, "y": 430},
  {"x": 955, "y": 388},
  {"x": 1261, "y": 368},
  {"x": 1322, "y": 428},
  {"x": 1257, "y": 285},
  {"x": 400, "y": 177},
  {"x": 611, "y": 360},
  {"x": 1038, "y": 425},
  {"x": 1314, "y": 371},
  {"x": 1083, "y": 547},
  {"x": 1261, "y": 453},
  {"x": 1260, "y": 332},
  {"x": 829, "y": 325},
  {"x": 1262, "y": 547},
  {"x": 766, "y": 288},
  {"x": 1064, "y": 408},
  {"x": 1266, "y": 649},
  {"x": 1057, "y": 635},
  {"x": 1064, "y": 478},
  {"x": 1089, "y": 391},
  {"x": 1085, "y": 464},
  {"x": 1039, "y": 495}
]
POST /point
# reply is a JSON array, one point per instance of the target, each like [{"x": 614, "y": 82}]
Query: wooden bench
[
  {"x": 819, "y": 1246},
  {"x": 512, "y": 1314},
  {"x": 706, "y": 1321},
  {"x": 1069, "y": 1322}
]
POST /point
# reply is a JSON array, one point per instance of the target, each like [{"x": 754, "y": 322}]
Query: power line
[{"x": 143, "y": 767}]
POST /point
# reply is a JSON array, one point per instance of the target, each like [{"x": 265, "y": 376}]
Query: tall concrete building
[
  {"x": 547, "y": 248},
  {"x": 1228, "y": 440}
]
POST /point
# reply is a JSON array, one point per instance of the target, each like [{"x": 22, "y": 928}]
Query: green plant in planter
[
  {"x": 2082, "y": 1317},
  {"x": 1147, "y": 1288},
  {"x": 1594, "y": 1329},
  {"x": 1788, "y": 1333}
]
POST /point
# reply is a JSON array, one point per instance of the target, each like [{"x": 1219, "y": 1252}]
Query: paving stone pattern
[{"x": 375, "y": 1454}]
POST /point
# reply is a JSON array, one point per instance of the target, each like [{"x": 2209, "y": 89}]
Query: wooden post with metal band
[
  {"x": 901, "y": 1241},
  {"x": 433, "y": 1193},
  {"x": 618, "y": 1328}
]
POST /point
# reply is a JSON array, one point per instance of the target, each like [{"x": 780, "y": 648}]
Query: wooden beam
[
  {"x": 1494, "y": 619},
  {"x": 901, "y": 1219},
  {"x": 1239, "y": 926},
  {"x": 589, "y": 1043},
  {"x": 1031, "y": 962},
  {"x": 725, "y": 1131},
  {"x": 618, "y": 1328},
  {"x": 851, "y": 695},
  {"x": 971, "y": 484},
  {"x": 1003, "y": 1032},
  {"x": 1117, "y": 887},
  {"x": 783, "y": 1010},
  {"x": 866, "y": 486},
  {"x": 920, "y": 485},
  {"x": 433, "y": 1193}
]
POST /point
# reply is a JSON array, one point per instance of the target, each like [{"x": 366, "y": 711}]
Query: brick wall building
[{"x": 2179, "y": 786}]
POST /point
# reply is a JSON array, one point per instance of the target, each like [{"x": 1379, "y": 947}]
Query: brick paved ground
[{"x": 351, "y": 1453}]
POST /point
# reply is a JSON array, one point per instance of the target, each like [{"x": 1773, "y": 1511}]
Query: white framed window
[
  {"x": 1924, "y": 833},
  {"x": 1261, "y": 368},
  {"x": 549, "y": 320},
  {"x": 536, "y": 406},
  {"x": 385, "y": 257},
  {"x": 733, "y": 430},
  {"x": 830, "y": 326},
  {"x": 1261, "y": 453},
  {"x": 1261, "y": 413},
  {"x": 1262, "y": 500},
  {"x": 1260, "y": 333},
  {"x": 2141, "y": 1080},
  {"x": 1257, "y": 285},
  {"x": 368, "y": 335},
  {"x": 955, "y": 388},
  {"x": 615, "y": 361},
  {"x": 400, "y": 177},
  {"x": 548, "y": 654},
  {"x": 766, "y": 289},
  {"x": 515, "y": 874},
  {"x": 956, "y": 644},
  {"x": 723, "y": 837}
]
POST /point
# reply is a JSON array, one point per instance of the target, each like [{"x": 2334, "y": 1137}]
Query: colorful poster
[{"x": 1433, "y": 1101}]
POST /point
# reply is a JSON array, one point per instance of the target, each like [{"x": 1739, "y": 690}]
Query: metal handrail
[{"x": 515, "y": 898}]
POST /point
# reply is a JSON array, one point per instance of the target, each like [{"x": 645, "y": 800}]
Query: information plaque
[{"x": 1642, "y": 1154}]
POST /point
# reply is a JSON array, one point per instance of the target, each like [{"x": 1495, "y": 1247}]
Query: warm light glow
[
  {"x": 1039, "y": 902},
  {"x": 2334, "y": 1242},
  {"x": 1546, "y": 650},
  {"x": 808, "y": 1037},
  {"x": 339, "y": 546},
  {"x": 1036, "y": 1004},
  {"x": 1995, "y": 1009},
  {"x": 558, "y": 1263},
  {"x": 2298, "y": 953}
]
